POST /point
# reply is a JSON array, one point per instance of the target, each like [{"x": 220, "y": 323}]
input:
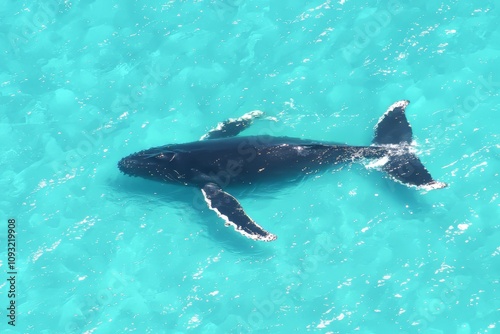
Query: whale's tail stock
[{"x": 393, "y": 131}]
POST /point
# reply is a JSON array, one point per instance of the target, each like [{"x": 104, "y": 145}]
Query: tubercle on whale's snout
[
  {"x": 135, "y": 164},
  {"x": 125, "y": 165},
  {"x": 121, "y": 166}
]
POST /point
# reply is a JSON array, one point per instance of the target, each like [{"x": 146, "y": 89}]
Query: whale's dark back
[
  {"x": 239, "y": 160},
  {"x": 250, "y": 159}
]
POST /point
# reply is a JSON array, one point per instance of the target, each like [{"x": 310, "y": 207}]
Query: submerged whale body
[{"x": 221, "y": 159}]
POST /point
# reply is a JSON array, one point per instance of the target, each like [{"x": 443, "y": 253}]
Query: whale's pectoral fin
[
  {"x": 229, "y": 209},
  {"x": 232, "y": 126}
]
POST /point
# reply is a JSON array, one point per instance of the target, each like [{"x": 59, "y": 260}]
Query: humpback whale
[{"x": 221, "y": 159}]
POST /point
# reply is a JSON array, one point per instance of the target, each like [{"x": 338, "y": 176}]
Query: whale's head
[{"x": 159, "y": 164}]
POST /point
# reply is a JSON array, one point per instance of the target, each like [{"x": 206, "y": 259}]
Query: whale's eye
[{"x": 166, "y": 156}]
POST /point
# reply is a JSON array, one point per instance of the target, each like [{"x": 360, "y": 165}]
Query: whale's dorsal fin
[
  {"x": 229, "y": 209},
  {"x": 232, "y": 126}
]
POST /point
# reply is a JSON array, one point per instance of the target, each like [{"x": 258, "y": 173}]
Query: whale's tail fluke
[{"x": 394, "y": 132}]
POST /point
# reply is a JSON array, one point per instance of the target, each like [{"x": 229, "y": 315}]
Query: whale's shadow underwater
[{"x": 221, "y": 160}]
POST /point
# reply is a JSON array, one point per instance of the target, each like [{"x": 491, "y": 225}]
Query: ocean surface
[{"x": 85, "y": 83}]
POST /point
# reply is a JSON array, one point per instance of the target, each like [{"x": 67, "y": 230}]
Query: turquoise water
[{"x": 85, "y": 83}]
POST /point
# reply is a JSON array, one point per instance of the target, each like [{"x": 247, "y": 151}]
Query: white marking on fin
[
  {"x": 378, "y": 163},
  {"x": 399, "y": 104},
  {"x": 246, "y": 117},
  {"x": 251, "y": 114},
  {"x": 433, "y": 185},
  {"x": 227, "y": 222},
  {"x": 426, "y": 187}
]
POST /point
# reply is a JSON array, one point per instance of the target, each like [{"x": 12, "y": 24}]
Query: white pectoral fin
[
  {"x": 229, "y": 209},
  {"x": 232, "y": 126}
]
